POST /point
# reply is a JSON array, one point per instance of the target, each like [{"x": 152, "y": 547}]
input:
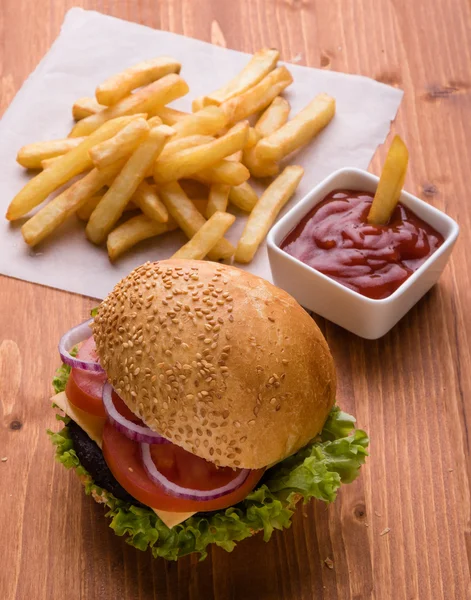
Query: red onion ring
[
  {"x": 133, "y": 431},
  {"x": 77, "y": 334},
  {"x": 188, "y": 493}
]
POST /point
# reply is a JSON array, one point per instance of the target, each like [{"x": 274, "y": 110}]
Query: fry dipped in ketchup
[{"x": 370, "y": 244}]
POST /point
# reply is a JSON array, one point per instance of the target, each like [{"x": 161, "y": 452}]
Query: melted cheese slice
[
  {"x": 93, "y": 427},
  {"x": 172, "y": 518}
]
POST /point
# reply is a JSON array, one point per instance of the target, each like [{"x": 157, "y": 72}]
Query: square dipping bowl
[{"x": 363, "y": 316}]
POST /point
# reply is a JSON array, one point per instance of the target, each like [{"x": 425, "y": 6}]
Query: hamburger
[{"x": 198, "y": 405}]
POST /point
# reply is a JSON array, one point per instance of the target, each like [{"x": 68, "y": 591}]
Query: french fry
[
  {"x": 32, "y": 155},
  {"x": 120, "y": 145},
  {"x": 390, "y": 183},
  {"x": 53, "y": 214},
  {"x": 265, "y": 212},
  {"x": 206, "y": 121},
  {"x": 194, "y": 189},
  {"x": 85, "y": 211},
  {"x": 258, "y": 97},
  {"x": 252, "y": 138},
  {"x": 199, "y": 103},
  {"x": 175, "y": 145},
  {"x": 189, "y": 219},
  {"x": 257, "y": 166},
  {"x": 147, "y": 199},
  {"x": 271, "y": 120},
  {"x": 84, "y": 107},
  {"x": 48, "y": 162},
  {"x": 185, "y": 163},
  {"x": 145, "y": 100},
  {"x": 299, "y": 131},
  {"x": 133, "y": 231},
  {"x": 225, "y": 171},
  {"x": 116, "y": 87},
  {"x": 170, "y": 116},
  {"x": 274, "y": 117},
  {"x": 218, "y": 198},
  {"x": 64, "y": 168},
  {"x": 206, "y": 237},
  {"x": 261, "y": 63},
  {"x": 243, "y": 196},
  {"x": 181, "y": 144},
  {"x": 200, "y": 205},
  {"x": 123, "y": 187},
  {"x": 154, "y": 121},
  {"x": 236, "y": 157}
]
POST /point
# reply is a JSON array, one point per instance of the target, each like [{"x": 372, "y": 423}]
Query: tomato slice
[
  {"x": 123, "y": 457},
  {"x": 84, "y": 388}
]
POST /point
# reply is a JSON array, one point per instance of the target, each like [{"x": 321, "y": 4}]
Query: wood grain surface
[{"x": 402, "y": 531}]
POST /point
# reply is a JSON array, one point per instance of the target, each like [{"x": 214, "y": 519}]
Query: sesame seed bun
[{"x": 217, "y": 360}]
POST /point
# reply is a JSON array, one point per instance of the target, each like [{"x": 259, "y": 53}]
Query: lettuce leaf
[
  {"x": 316, "y": 471},
  {"x": 61, "y": 376}
]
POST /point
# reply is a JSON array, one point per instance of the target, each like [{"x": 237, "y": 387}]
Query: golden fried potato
[
  {"x": 118, "y": 86},
  {"x": 133, "y": 231},
  {"x": 64, "y": 168},
  {"x": 390, "y": 183},
  {"x": 207, "y": 121},
  {"x": 145, "y": 100},
  {"x": 265, "y": 212},
  {"x": 124, "y": 186},
  {"x": 189, "y": 219},
  {"x": 169, "y": 116},
  {"x": 226, "y": 171},
  {"x": 218, "y": 199},
  {"x": 32, "y": 155},
  {"x": 147, "y": 199},
  {"x": 206, "y": 237},
  {"x": 53, "y": 214},
  {"x": 84, "y": 107},
  {"x": 243, "y": 196},
  {"x": 258, "y": 97},
  {"x": 299, "y": 131},
  {"x": 274, "y": 117},
  {"x": 121, "y": 145},
  {"x": 261, "y": 63},
  {"x": 185, "y": 163}
]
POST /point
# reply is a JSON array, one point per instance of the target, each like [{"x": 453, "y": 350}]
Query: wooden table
[{"x": 402, "y": 531}]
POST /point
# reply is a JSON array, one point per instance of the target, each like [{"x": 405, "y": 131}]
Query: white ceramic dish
[{"x": 363, "y": 316}]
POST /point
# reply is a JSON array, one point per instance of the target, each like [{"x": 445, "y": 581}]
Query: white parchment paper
[{"x": 91, "y": 47}]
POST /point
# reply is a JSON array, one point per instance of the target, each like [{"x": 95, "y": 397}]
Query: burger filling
[{"x": 162, "y": 496}]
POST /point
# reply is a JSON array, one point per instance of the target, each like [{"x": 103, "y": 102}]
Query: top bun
[{"x": 217, "y": 360}]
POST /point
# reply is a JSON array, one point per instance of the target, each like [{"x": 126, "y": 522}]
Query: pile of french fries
[{"x": 131, "y": 155}]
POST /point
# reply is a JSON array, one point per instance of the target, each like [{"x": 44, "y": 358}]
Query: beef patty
[{"x": 91, "y": 458}]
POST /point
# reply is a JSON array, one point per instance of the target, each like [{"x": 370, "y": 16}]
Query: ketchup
[{"x": 374, "y": 260}]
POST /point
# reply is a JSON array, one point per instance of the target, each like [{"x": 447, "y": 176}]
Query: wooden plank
[{"x": 410, "y": 390}]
